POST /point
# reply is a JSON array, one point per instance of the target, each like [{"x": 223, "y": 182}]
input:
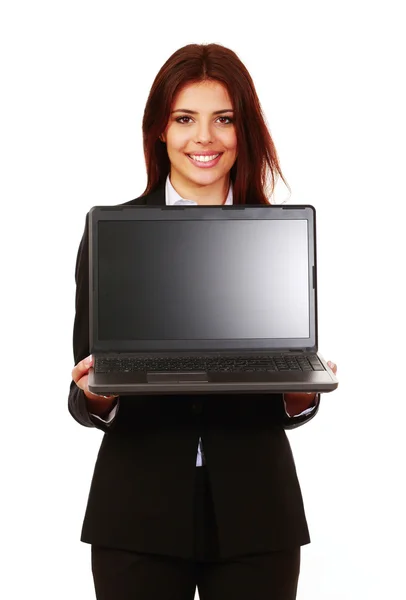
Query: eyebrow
[{"x": 193, "y": 112}]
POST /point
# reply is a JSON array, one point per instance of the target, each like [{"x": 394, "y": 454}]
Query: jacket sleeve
[
  {"x": 77, "y": 400},
  {"x": 296, "y": 421}
]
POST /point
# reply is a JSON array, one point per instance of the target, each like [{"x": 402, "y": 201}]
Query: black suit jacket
[{"x": 142, "y": 491}]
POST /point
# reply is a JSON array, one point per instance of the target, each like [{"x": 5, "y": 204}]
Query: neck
[{"x": 215, "y": 193}]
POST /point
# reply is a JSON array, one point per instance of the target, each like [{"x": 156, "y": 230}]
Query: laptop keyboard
[{"x": 281, "y": 362}]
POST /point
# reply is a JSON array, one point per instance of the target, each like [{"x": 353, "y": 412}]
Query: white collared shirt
[{"x": 172, "y": 196}]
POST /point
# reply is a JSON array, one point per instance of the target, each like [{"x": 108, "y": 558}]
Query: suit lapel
[{"x": 156, "y": 198}]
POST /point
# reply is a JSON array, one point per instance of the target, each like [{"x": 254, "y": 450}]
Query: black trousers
[{"x": 124, "y": 575}]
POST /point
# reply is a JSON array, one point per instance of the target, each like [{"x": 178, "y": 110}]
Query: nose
[{"x": 203, "y": 134}]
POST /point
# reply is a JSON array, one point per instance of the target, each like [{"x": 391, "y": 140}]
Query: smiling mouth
[
  {"x": 205, "y": 160},
  {"x": 204, "y": 157}
]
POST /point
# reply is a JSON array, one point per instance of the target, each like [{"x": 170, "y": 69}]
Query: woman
[{"x": 199, "y": 491}]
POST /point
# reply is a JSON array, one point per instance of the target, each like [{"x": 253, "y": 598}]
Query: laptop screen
[{"x": 195, "y": 280}]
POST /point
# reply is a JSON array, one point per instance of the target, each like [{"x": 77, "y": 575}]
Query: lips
[{"x": 205, "y": 160}]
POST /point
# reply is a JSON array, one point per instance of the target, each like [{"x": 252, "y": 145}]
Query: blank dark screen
[{"x": 203, "y": 279}]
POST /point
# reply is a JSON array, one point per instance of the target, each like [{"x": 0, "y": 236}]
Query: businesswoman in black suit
[{"x": 199, "y": 490}]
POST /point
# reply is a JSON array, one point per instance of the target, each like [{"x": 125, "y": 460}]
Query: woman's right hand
[{"x": 80, "y": 374}]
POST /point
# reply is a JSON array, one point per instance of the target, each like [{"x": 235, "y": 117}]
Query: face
[{"x": 201, "y": 139}]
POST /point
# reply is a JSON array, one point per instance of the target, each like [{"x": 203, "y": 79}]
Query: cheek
[
  {"x": 232, "y": 150},
  {"x": 231, "y": 142},
  {"x": 176, "y": 142}
]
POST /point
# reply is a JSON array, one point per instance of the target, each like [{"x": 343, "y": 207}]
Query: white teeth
[{"x": 204, "y": 158}]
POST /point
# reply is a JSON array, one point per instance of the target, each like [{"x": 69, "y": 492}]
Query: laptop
[{"x": 203, "y": 300}]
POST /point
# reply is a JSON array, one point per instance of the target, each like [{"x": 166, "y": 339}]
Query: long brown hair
[{"x": 256, "y": 169}]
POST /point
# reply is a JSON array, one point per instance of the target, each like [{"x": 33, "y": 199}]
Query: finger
[
  {"x": 82, "y": 368},
  {"x": 332, "y": 366}
]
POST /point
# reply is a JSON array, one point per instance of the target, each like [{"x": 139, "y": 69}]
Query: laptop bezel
[{"x": 128, "y": 212}]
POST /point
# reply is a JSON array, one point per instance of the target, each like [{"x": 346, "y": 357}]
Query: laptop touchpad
[{"x": 157, "y": 377}]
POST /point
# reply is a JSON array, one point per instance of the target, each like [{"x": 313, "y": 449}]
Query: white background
[{"x": 74, "y": 81}]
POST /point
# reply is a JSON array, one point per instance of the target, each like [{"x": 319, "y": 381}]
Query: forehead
[{"x": 206, "y": 95}]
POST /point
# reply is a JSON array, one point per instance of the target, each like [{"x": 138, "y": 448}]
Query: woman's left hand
[
  {"x": 332, "y": 366},
  {"x": 297, "y": 402}
]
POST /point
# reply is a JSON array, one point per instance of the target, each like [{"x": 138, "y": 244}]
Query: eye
[
  {"x": 229, "y": 120},
  {"x": 181, "y": 120}
]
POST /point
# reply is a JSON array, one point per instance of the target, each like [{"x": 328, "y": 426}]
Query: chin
[{"x": 205, "y": 178}]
